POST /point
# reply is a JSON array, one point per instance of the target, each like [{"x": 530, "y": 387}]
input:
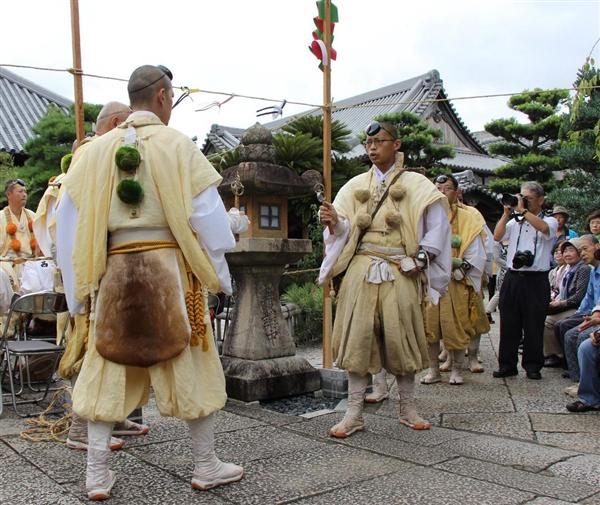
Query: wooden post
[
  {"x": 327, "y": 307},
  {"x": 79, "y": 120}
]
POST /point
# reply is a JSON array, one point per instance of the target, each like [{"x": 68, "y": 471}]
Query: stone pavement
[{"x": 495, "y": 441}]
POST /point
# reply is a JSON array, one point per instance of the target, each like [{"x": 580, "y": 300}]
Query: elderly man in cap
[{"x": 563, "y": 232}]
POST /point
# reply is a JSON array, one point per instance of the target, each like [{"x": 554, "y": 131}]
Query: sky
[{"x": 260, "y": 48}]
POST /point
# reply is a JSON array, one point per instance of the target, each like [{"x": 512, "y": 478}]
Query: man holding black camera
[{"x": 525, "y": 292}]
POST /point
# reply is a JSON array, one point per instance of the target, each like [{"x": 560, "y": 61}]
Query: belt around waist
[
  {"x": 126, "y": 235},
  {"x": 528, "y": 272}
]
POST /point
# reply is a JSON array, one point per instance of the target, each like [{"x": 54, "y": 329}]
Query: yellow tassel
[{"x": 194, "y": 303}]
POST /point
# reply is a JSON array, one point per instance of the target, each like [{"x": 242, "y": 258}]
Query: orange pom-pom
[
  {"x": 15, "y": 245},
  {"x": 30, "y": 224},
  {"x": 11, "y": 228},
  {"x": 33, "y": 243}
]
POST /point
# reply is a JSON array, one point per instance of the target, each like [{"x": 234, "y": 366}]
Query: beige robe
[
  {"x": 172, "y": 172},
  {"x": 453, "y": 319},
  {"x": 24, "y": 235},
  {"x": 381, "y": 325}
]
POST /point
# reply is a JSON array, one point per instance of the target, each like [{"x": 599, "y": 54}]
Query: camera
[
  {"x": 523, "y": 259},
  {"x": 512, "y": 200}
]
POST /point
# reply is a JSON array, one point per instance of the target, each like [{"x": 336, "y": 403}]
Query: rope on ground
[{"x": 49, "y": 430}]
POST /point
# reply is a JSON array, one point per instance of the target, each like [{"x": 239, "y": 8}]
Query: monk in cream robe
[
  {"x": 379, "y": 315},
  {"x": 453, "y": 319},
  {"x": 134, "y": 263}
]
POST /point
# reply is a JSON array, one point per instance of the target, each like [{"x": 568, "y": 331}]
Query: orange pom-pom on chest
[
  {"x": 11, "y": 228},
  {"x": 15, "y": 245}
]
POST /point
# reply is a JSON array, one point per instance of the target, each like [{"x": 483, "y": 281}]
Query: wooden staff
[
  {"x": 76, "y": 71},
  {"x": 327, "y": 307}
]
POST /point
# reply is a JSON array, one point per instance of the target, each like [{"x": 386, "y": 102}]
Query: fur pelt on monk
[{"x": 140, "y": 320}]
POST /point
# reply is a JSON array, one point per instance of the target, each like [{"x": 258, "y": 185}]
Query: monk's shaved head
[
  {"x": 144, "y": 82},
  {"x": 111, "y": 115}
]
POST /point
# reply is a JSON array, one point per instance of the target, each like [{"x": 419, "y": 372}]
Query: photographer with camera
[{"x": 525, "y": 292}]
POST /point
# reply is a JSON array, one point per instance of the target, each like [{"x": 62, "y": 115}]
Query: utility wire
[{"x": 318, "y": 106}]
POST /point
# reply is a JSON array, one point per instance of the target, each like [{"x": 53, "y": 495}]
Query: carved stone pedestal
[{"x": 259, "y": 353}]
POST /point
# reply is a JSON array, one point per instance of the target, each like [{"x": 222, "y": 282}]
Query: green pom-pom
[
  {"x": 65, "y": 162},
  {"x": 130, "y": 192},
  {"x": 456, "y": 263},
  {"x": 456, "y": 241},
  {"x": 128, "y": 158}
]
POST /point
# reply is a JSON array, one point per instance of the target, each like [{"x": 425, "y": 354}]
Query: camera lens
[{"x": 509, "y": 200}]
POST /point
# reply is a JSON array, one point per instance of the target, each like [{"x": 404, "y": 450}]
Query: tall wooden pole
[
  {"x": 79, "y": 126},
  {"x": 327, "y": 307}
]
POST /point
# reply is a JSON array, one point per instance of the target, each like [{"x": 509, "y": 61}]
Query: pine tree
[
  {"x": 420, "y": 142},
  {"x": 579, "y": 150},
  {"x": 8, "y": 171},
  {"x": 54, "y": 135},
  {"x": 531, "y": 146}
]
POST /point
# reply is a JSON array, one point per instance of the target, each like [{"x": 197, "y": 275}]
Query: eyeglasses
[{"x": 376, "y": 142}]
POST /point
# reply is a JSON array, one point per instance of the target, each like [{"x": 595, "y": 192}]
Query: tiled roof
[
  {"x": 22, "y": 104},
  {"x": 222, "y": 138},
  {"x": 356, "y": 112},
  {"x": 468, "y": 160}
]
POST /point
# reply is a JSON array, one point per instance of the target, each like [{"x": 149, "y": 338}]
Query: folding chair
[{"x": 21, "y": 349}]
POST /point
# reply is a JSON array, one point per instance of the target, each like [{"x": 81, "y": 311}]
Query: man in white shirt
[{"x": 525, "y": 292}]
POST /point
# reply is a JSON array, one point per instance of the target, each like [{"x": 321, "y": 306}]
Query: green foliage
[
  {"x": 299, "y": 152},
  {"x": 65, "y": 162},
  {"x": 309, "y": 298},
  {"x": 313, "y": 126},
  {"x": 531, "y": 146},
  {"x": 54, "y": 137},
  {"x": 580, "y": 194},
  {"x": 8, "y": 171},
  {"x": 128, "y": 158},
  {"x": 579, "y": 129},
  {"x": 420, "y": 141},
  {"x": 130, "y": 192},
  {"x": 225, "y": 159}
]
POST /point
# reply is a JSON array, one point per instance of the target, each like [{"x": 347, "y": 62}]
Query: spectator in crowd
[
  {"x": 572, "y": 291},
  {"x": 525, "y": 292},
  {"x": 588, "y": 394},
  {"x": 557, "y": 273},
  {"x": 570, "y": 327},
  {"x": 593, "y": 223},
  {"x": 563, "y": 232}
]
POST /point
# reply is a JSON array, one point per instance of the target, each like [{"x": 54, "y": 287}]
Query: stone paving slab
[
  {"x": 141, "y": 483},
  {"x": 57, "y": 461},
  {"x": 566, "y": 423},
  {"x": 508, "y": 452},
  {"x": 382, "y": 444},
  {"x": 252, "y": 444},
  {"x": 304, "y": 473},
  {"x": 543, "y": 500},
  {"x": 24, "y": 484},
  {"x": 516, "y": 425},
  {"x": 554, "y": 487},
  {"x": 258, "y": 413},
  {"x": 594, "y": 500},
  {"x": 423, "y": 486},
  {"x": 581, "y": 442},
  {"x": 585, "y": 469},
  {"x": 390, "y": 428}
]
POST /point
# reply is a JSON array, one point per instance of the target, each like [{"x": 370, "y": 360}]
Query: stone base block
[
  {"x": 269, "y": 379},
  {"x": 334, "y": 382}
]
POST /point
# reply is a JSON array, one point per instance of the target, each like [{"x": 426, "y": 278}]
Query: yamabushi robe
[
  {"x": 453, "y": 319},
  {"x": 172, "y": 173},
  {"x": 381, "y": 325}
]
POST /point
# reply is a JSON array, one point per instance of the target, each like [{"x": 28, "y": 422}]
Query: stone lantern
[{"x": 259, "y": 353}]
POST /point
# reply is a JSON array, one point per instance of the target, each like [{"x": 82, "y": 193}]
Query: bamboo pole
[
  {"x": 76, "y": 71},
  {"x": 327, "y": 307}
]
